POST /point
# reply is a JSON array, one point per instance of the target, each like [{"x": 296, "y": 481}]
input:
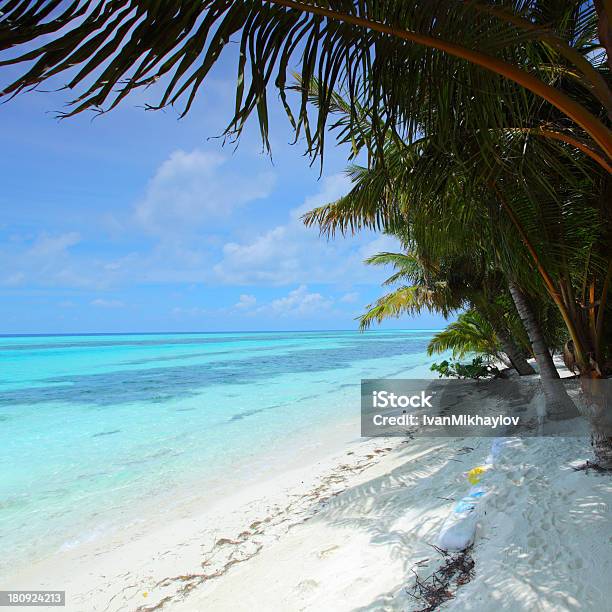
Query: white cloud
[
  {"x": 382, "y": 243},
  {"x": 12, "y": 280},
  {"x": 44, "y": 260},
  {"x": 193, "y": 311},
  {"x": 350, "y": 298},
  {"x": 293, "y": 253},
  {"x": 102, "y": 303},
  {"x": 52, "y": 246},
  {"x": 186, "y": 196},
  {"x": 297, "y": 303},
  {"x": 286, "y": 255},
  {"x": 190, "y": 189},
  {"x": 246, "y": 301}
]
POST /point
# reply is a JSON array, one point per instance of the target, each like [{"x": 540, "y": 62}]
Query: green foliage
[
  {"x": 515, "y": 206},
  {"x": 470, "y": 333},
  {"x": 405, "y": 300},
  {"x": 106, "y": 49},
  {"x": 476, "y": 369}
]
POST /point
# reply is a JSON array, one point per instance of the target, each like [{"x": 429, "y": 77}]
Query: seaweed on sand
[{"x": 456, "y": 570}]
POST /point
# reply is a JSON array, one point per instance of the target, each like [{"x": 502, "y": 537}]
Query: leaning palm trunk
[
  {"x": 542, "y": 355},
  {"x": 519, "y": 363},
  {"x": 507, "y": 343},
  {"x": 558, "y": 403}
]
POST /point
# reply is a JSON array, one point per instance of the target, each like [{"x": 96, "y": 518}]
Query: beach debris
[
  {"x": 590, "y": 465},
  {"x": 464, "y": 450},
  {"x": 475, "y": 474},
  {"x": 459, "y": 529},
  {"x": 456, "y": 570}
]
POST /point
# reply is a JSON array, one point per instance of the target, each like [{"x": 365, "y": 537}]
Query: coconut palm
[
  {"x": 446, "y": 286},
  {"x": 448, "y": 283},
  {"x": 497, "y": 73},
  {"x": 511, "y": 98},
  {"x": 545, "y": 221},
  {"x": 458, "y": 285}
]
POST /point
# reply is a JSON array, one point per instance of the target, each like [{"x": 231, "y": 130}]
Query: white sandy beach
[
  {"x": 544, "y": 543},
  {"x": 346, "y": 532},
  {"x": 348, "y": 523}
]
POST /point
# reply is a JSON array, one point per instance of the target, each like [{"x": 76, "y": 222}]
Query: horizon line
[{"x": 262, "y": 331}]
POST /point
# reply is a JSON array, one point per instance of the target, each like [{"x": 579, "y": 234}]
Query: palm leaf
[
  {"x": 405, "y": 300},
  {"x": 375, "y": 51}
]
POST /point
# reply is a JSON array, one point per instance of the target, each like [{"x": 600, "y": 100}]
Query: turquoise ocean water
[{"x": 94, "y": 428}]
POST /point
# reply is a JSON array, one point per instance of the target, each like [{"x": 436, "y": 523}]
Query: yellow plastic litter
[{"x": 475, "y": 474}]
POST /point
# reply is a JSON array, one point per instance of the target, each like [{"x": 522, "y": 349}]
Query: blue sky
[{"x": 138, "y": 221}]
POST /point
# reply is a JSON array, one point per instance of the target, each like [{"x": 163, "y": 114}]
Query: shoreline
[
  {"x": 541, "y": 544},
  {"x": 119, "y": 434},
  {"x": 113, "y": 571}
]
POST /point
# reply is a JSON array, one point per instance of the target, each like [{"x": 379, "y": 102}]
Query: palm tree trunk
[
  {"x": 553, "y": 291},
  {"x": 599, "y": 412},
  {"x": 519, "y": 363},
  {"x": 558, "y": 403},
  {"x": 545, "y": 362},
  {"x": 601, "y": 441}
]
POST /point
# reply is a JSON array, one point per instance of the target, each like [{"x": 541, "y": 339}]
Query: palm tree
[
  {"x": 448, "y": 281},
  {"x": 513, "y": 97},
  {"x": 536, "y": 211},
  {"x": 425, "y": 219},
  {"x": 399, "y": 52},
  {"x": 469, "y": 333},
  {"x": 445, "y": 287}
]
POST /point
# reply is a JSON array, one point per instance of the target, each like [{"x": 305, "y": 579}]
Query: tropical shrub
[{"x": 476, "y": 369}]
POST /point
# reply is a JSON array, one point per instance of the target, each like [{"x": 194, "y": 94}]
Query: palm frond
[
  {"x": 405, "y": 300},
  {"x": 470, "y": 333},
  {"x": 393, "y": 55}
]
